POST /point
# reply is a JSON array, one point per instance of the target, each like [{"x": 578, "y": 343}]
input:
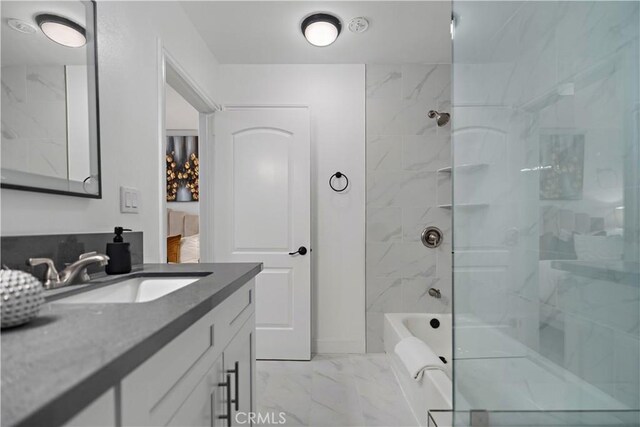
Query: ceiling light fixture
[
  {"x": 62, "y": 30},
  {"x": 321, "y": 29}
]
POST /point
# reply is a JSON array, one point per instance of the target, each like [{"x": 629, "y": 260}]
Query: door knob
[{"x": 301, "y": 250}]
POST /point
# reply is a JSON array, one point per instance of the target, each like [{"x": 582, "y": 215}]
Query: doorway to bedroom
[
  {"x": 181, "y": 148},
  {"x": 185, "y": 142}
]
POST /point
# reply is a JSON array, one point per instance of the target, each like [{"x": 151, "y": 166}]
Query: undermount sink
[{"x": 134, "y": 290}]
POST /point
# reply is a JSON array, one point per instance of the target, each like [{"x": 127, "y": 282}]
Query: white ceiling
[{"x": 268, "y": 32}]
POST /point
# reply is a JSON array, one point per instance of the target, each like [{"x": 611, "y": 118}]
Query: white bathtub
[{"x": 434, "y": 391}]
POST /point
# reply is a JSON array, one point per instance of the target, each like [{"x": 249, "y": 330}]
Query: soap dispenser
[{"x": 118, "y": 253}]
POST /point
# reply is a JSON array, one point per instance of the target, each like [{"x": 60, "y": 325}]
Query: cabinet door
[
  {"x": 206, "y": 403},
  {"x": 238, "y": 361}
]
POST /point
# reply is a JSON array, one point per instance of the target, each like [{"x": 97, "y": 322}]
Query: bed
[{"x": 183, "y": 237}]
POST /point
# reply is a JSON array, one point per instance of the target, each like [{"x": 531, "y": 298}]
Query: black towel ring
[{"x": 338, "y": 175}]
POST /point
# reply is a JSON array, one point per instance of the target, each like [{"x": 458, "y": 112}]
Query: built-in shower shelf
[
  {"x": 466, "y": 206},
  {"x": 471, "y": 167}
]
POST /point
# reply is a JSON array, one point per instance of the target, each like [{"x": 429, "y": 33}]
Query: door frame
[{"x": 171, "y": 72}]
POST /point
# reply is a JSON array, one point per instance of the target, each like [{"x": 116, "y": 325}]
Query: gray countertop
[{"x": 70, "y": 354}]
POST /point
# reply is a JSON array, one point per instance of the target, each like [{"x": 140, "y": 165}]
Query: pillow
[
  {"x": 190, "y": 249},
  {"x": 173, "y": 248},
  {"x": 598, "y": 248}
]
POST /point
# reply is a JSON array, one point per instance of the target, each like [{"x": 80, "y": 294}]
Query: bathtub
[{"x": 434, "y": 391}]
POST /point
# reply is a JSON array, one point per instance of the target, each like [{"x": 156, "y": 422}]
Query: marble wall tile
[
  {"x": 428, "y": 152},
  {"x": 404, "y": 150},
  {"x": 375, "y": 327},
  {"x": 48, "y": 157},
  {"x": 398, "y": 260},
  {"x": 586, "y": 34},
  {"x": 429, "y": 83},
  {"x": 384, "y": 224},
  {"x": 34, "y": 116},
  {"x": 399, "y": 188},
  {"x": 384, "y": 81},
  {"x": 491, "y": 90},
  {"x": 384, "y": 295},
  {"x": 385, "y": 116},
  {"x": 46, "y": 84},
  {"x": 15, "y": 153},
  {"x": 444, "y": 190},
  {"x": 14, "y": 84},
  {"x": 34, "y": 120},
  {"x": 384, "y": 152}
]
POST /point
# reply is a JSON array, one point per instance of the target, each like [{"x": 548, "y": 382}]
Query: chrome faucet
[{"x": 73, "y": 273}]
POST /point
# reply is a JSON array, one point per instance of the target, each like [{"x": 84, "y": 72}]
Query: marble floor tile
[{"x": 333, "y": 390}]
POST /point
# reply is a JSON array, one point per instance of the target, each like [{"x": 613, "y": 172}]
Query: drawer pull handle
[
  {"x": 236, "y": 372},
  {"x": 227, "y": 384}
]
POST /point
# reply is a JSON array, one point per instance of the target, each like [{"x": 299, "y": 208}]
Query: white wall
[
  {"x": 128, "y": 35},
  {"x": 336, "y": 97},
  {"x": 179, "y": 114}
]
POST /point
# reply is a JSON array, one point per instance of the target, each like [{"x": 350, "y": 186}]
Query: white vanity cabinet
[{"x": 190, "y": 380}]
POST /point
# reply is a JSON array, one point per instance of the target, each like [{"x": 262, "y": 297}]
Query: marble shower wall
[
  {"x": 404, "y": 151},
  {"x": 34, "y": 118}
]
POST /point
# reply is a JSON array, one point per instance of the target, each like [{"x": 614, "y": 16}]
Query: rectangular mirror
[{"x": 50, "y": 130}]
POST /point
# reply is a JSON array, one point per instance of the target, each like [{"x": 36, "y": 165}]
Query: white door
[{"x": 262, "y": 214}]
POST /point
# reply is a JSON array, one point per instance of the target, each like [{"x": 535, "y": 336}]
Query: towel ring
[{"x": 338, "y": 175}]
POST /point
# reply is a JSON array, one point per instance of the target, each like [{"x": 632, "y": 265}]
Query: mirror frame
[{"x": 97, "y": 195}]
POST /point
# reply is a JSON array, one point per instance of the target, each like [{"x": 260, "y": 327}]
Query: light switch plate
[{"x": 129, "y": 200}]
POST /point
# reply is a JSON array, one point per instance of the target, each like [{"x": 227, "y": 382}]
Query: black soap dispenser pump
[{"x": 118, "y": 253}]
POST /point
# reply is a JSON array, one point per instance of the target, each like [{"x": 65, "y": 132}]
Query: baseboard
[{"x": 338, "y": 346}]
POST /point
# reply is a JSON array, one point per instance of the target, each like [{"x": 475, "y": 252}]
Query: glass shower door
[{"x": 545, "y": 136}]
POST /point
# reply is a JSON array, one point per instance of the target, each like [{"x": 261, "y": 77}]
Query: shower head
[{"x": 441, "y": 118}]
